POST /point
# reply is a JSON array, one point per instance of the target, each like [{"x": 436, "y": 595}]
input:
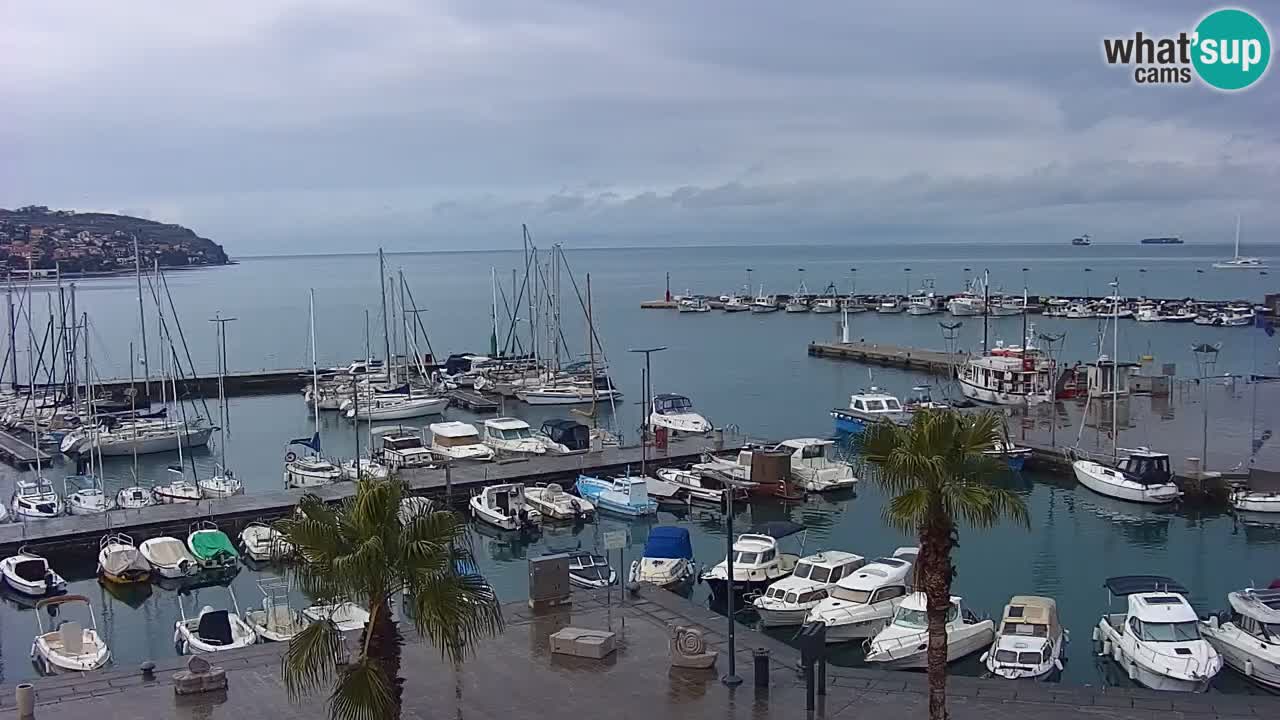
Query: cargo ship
[{"x": 1162, "y": 241}]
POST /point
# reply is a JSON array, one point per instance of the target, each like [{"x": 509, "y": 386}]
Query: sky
[{"x": 282, "y": 126}]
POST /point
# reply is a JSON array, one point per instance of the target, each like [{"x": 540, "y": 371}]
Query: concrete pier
[{"x": 886, "y": 355}]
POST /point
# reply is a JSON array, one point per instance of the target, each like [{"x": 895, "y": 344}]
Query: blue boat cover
[{"x": 666, "y": 541}]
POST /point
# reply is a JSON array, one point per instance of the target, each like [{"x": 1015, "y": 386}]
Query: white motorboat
[
  {"x": 627, "y": 495},
  {"x": 1246, "y": 635},
  {"x": 346, "y": 616},
  {"x": 1157, "y": 641},
  {"x": 211, "y": 547},
  {"x": 697, "y": 486},
  {"x": 553, "y": 503},
  {"x": 169, "y": 557},
  {"x": 67, "y": 646},
  {"x": 212, "y": 630},
  {"x": 814, "y": 466},
  {"x": 1030, "y": 642},
  {"x": 789, "y": 600},
  {"x": 366, "y": 468},
  {"x": 402, "y": 449},
  {"x": 904, "y": 642},
  {"x": 1255, "y": 501},
  {"x": 120, "y": 561},
  {"x": 222, "y": 484},
  {"x": 263, "y": 543},
  {"x": 1008, "y": 376},
  {"x": 459, "y": 441},
  {"x": 1142, "y": 476},
  {"x": 35, "y": 499},
  {"x": 84, "y": 495},
  {"x": 30, "y": 574},
  {"x": 676, "y": 413},
  {"x": 923, "y": 304},
  {"x": 757, "y": 561},
  {"x": 867, "y": 407},
  {"x": 667, "y": 558},
  {"x": 861, "y": 604},
  {"x": 966, "y": 305},
  {"x": 590, "y": 571},
  {"x": 309, "y": 470},
  {"x": 826, "y": 305},
  {"x": 890, "y": 305},
  {"x": 764, "y": 303},
  {"x": 736, "y": 303},
  {"x": 1238, "y": 261},
  {"x": 381, "y": 408},
  {"x": 511, "y": 436},
  {"x": 276, "y": 620},
  {"x": 693, "y": 305},
  {"x": 504, "y": 507},
  {"x": 134, "y": 497}
]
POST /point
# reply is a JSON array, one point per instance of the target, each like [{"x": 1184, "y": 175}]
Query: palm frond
[
  {"x": 311, "y": 659},
  {"x": 908, "y": 511},
  {"x": 363, "y": 692},
  {"x": 454, "y": 610}
]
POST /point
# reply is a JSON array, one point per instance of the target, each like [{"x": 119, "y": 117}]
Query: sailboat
[
  {"x": 310, "y": 469},
  {"x": 134, "y": 496},
  {"x": 224, "y": 483},
  {"x": 179, "y": 490},
  {"x": 1239, "y": 262}
]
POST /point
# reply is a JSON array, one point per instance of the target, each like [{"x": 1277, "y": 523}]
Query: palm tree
[
  {"x": 937, "y": 476},
  {"x": 370, "y": 551}
]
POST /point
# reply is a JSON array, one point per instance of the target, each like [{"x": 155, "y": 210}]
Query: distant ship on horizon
[
  {"x": 1082, "y": 240},
  {"x": 1175, "y": 240}
]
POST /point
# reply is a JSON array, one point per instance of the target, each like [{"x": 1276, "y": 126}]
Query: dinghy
[
  {"x": 169, "y": 557},
  {"x": 211, "y": 547},
  {"x": 263, "y": 543},
  {"x": 30, "y": 574},
  {"x": 120, "y": 561},
  {"x": 68, "y": 647},
  {"x": 347, "y": 616},
  {"x": 212, "y": 630},
  {"x": 276, "y": 621}
]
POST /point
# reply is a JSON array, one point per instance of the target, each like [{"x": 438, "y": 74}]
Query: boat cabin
[
  {"x": 1108, "y": 378},
  {"x": 454, "y": 434},
  {"x": 1257, "y": 613},
  {"x": 506, "y": 500},
  {"x": 878, "y": 581},
  {"x": 1147, "y": 467},
  {"x": 506, "y": 428},
  {"x": 875, "y": 405},
  {"x": 1028, "y": 631},
  {"x": 573, "y": 435},
  {"x": 401, "y": 450},
  {"x": 671, "y": 404},
  {"x": 809, "y": 450},
  {"x": 812, "y": 575}
]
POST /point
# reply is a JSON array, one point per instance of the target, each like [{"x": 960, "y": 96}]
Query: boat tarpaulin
[
  {"x": 209, "y": 544},
  {"x": 668, "y": 542}
]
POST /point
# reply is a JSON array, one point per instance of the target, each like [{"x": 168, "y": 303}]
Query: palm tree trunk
[
  {"x": 935, "y": 567},
  {"x": 384, "y": 647}
]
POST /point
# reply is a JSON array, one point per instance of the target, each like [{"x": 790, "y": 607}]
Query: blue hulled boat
[{"x": 626, "y": 495}]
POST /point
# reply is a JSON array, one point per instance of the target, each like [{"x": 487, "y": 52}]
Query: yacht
[
  {"x": 553, "y": 503},
  {"x": 561, "y": 436},
  {"x": 141, "y": 436},
  {"x": 364, "y": 468},
  {"x": 1255, "y": 501},
  {"x": 1008, "y": 376},
  {"x": 862, "y": 603},
  {"x": 1141, "y": 476},
  {"x": 814, "y": 466},
  {"x": 310, "y": 470},
  {"x": 1239, "y": 262},
  {"x": 904, "y": 642},
  {"x": 869, "y": 407},
  {"x": 789, "y": 600},
  {"x": 1248, "y": 635},
  {"x": 511, "y": 436},
  {"x": 222, "y": 484},
  {"x": 1030, "y": 642},
  {"x": 676, "y": 413},
  {"x": 504, "y": 507},
  {"x": 178, "y": 490},
  {"x": 212, "y": 630},
  {"x": 667, "y": 558},
  {"x": 697, "y": 486},
  {"x": 67, "y": 646},
  {"x": 35, "y": 499},
  {"x": 628, "y": 495},
  {"x": 84, "y": 495},
  {"x": 385, "y": 407},
  {"x": 458, "y": 441},
  {"x": 1157, "y": 641},
  {"x": 134, "y": 497},
  {"x": 570, "y": 392},
  {"x": 757, "y": 561}
]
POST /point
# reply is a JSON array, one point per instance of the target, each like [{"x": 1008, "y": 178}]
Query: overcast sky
[{"x": 323, "y": 125}]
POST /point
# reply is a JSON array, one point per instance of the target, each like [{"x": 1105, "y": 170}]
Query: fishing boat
[
  {"x": 211, "y": 547},
  {"x": 459, "y": 441},
  {"x": 1157, "y": 640},
  {"x": 511, "y": 436},
  {"x": 627, "y": 495},
  {"x": 867, "y": 407},
  {"x": 276, "y": 620},
  {"x": 693, "y": 305},
  {"x": 1030, "y": 642},
  {"x": 968, "y": 303},
  {"x": 764, "y": 303},
  {"x": 1245, "y": 635},
  {"x": 676, "y": 413},
  {"x": 757, "y": 561},
  {"x": 736, "y": 303},
  {"x": 924, "y": 302},
  {"x": 826, "y": 305},
  {"x": 814, "y": 466},
  {"x": 67, "y": 646},
  {"x": 169, "y": 557},
  {"x": 667, "y": 558},
  {"x": 862, "y": 603},
  {"x": 35, "y": 499},
  {"x": 789, "y": 600},
  {"x": 890, "y": 305},
  {"x": 263, "y": 543},
  {"x": 504, "y": 507},
  {"x": 1008, "y": 376},
  {"x": 84, "y": 495},
  {"x": 212, "y": 630},
  {"x": 553, "y": 503},
  {"x": 120, "y": 561},
  {"x": 1238, "y": 261},
  {"x": 30, "y": 574},
  {"x": 904, "y": 642},
  {"x": 587, "y": 570}
]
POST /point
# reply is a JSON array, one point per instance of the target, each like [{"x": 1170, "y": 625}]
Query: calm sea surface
[{"x": 747, "y": 370}]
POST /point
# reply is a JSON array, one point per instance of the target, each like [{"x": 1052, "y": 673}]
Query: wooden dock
[
  {"x": 19, "y": 452},
  {"x": 906, "y": 358},
  {"x": 455, "y": 484},
  {"x": 473, "y": 400}
]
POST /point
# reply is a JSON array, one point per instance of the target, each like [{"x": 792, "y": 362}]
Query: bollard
[
  {"x": 25, "y": 694},
  {"x": 148, "y": 670},
  {"x": 761, "y": 658},
  {"x": 822, "y": 677}
]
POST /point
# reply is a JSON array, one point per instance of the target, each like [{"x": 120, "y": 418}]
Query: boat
[
  {"x": 667, "y": 558},
  {"x": 853, "y": 305},
  {"x": 120, "y": 561},
  {"x": 263, "y": 543},
  {"x": 222, "y": 484},
  {"x": 1239, "y": 262},
  {"x": 764, "y": 303},
  {"x": 736, "y": 303},
  {"x": 697, "y": 486},
  {"x": 211, "y": 547},
  {"x": 890, "y": 305},
  {"x": 1015, "y": 456},
  {"x": 134, "y": 497},
  {"x": 826, "y": 305},
  {"x": 364, "y": 469},
  {"x": 561, "y": 436},
  {"x": 861, "y": 604},
  {"x": 1157, "y": 640},
  {"x": 511, "y": 436},
  {"x": 458, "y": 441},
  {"x": 1083, "y": 240},
  {"x": 676, "y": 413},
  {"x": 904, "y": 642},
  {"x": 1078, "y": 311},
  {"x": 789, "y": 600},
  {"x": 1246, "y": 635},
  {"x": 1255, "y": 501},
  {"x": 1162, "y": 241},
  {"x": 385, "y": 407},
  {"x": 693, "y": 305},
  {"x": 169, "y": 557},
  {"x": 867, "y": 407},
  {"x": 310, "y": 469},
  {"x": 84, "y": 495},
  {"x": 503, "y": 506},
  {"x": 796, "y": 305},
  {"x": 590, "y": 571},
  {"x": 35, "y": 499},
  {"x": 925, "y": 302},
  {"x": 30, "y": 574},
  {"x": 346, "y": 616},
  {"x": 627, "y": 495},
  {"x": 757, "y": 561},
  {"x": 143, "y": 437},
  {"x": 400, "y": 449},
  {"x": 1008, "y": 376},
  {"x": 1030, "y": 642},
  {"x": 179, "y": 490},
  {"x": 67, "y": 646},
  {"x": 276, "y": 620},
  {"x": 814, "y": 466},
  {"x": 968, "y": 303},
  {"x": 1143, "y": 476},
  {"x": 553, "y": 503},
  {"x": 212, "y": 630}
]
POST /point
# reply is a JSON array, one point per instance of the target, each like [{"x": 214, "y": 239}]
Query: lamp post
[
  {"x": 646, "y": 385},
  {"x": 1206, "y": 361},
  {"x": 731, "y": 486}
]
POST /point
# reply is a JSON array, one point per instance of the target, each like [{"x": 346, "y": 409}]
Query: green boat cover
[{"x": 208, "y": 545}]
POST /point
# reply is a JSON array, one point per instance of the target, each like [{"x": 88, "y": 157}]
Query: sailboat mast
[
  {"x": 386, "y": 334},
  {"x": 986, "y": 309},
  {"x": 142, "y": 320},
  {"x": 133, "y": 406},
  {"x": 404, "y": 328},
  {"x": 13, "y": 337},
  {"x": 591, "y": 353},
  {"x": 1237, "y": 236},
  {"x": 315, "y": 372},
  {"x": 1115, "y": 369}
]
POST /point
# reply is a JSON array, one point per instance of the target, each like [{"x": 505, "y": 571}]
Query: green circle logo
[{"x": 1232, "y": 49}]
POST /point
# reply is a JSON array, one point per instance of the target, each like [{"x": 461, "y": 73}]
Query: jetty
[
  {"x": 19, "y": 452},
  {"x": 473, "y": 400},
  {"x": 932, "y": 362}
]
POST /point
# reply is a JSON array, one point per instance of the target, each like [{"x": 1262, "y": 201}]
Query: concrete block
[
  {"x": 200, "y": 677},
  {"x": 592, "y": 644}
]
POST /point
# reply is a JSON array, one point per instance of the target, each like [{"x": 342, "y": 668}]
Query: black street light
[
  {"x": 644, "y": 402},
  {"x": 731, "y": 486}
]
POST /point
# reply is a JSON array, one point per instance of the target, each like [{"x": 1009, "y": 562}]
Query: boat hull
[
  {"x": 781, "y": 618},
  {"x": 418, "y": 407},
  {"x": 1100, "y": 479},
  {"x": 164, "y": 443},
  {"x": 995, "y": 397}
]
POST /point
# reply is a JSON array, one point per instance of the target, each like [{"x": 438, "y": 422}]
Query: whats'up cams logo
[{"x": 1228, "y": 50}]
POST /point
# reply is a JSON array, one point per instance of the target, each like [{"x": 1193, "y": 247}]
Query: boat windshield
[
  {"x": 802, "y": 570},
  {"x": 918, "y": 619},
  {"x": 892, "y": 404},
  {"x": 1170, "y": 632},
  {"x": 818, "y": 450},
  {"x": 747, "y": 558},
  {"x": 820, "y": 574},
  {"x": 854, "y": 596}
]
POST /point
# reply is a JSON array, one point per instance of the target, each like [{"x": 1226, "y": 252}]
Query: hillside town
[{"x": 43, "y": 241}]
